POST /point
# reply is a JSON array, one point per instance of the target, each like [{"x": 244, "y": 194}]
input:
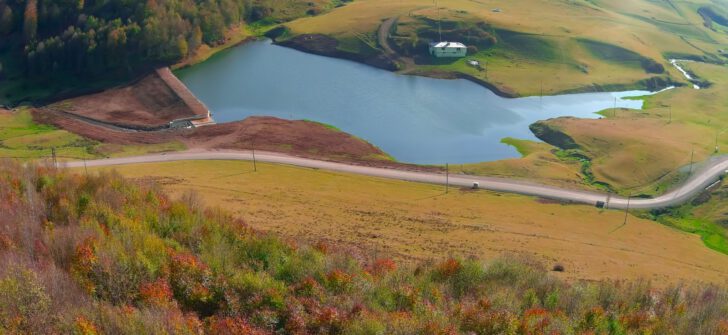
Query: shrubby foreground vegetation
[{"x": 103, "y": 255}]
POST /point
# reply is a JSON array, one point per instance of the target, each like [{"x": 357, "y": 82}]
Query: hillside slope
[{"x": 101, "y": 255}]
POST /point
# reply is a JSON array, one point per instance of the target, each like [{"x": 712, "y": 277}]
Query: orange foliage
[
  {"x": 329, "y": 318},
  {"x": 449, "y": 268},
  {"x": 382, "y": 266},
  {"x": 193, "y": 322},
  {"x": 187, "y": 261},
  {"x": 85, "y": 326},
  {"x": 432, "y": 328},
  {"x": 157, "y": 293},
  {"x": 308, "y": 286},
  {"x": 232, "y": 326},
  {"x": 322, "y": 246},
  {"x": 723, "y": 327},
  {"x": 535, "y": 321},
  {"x": 83, "y": 262},
  {"x": 338, "y": 280},
  {"x": 6, "y": 242},
  {"x": 636, "y": 320}
]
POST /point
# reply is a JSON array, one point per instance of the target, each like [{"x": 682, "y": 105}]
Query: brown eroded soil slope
[
  {"x": 301, "y": 138},
  {"x": 150, "y": 102}
]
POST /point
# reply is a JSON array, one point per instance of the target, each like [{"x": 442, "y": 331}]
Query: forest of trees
[{"x": 90, "y": 37}]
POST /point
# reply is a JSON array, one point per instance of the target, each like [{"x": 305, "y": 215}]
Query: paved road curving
[{"x": 701, "y": 179}]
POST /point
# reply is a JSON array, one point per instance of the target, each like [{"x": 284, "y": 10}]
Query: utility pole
[
  {"x": 447, "y": 178},
  {"x": 692, "y": 155},
  {"x": 84, "y": 165},
  {"x": 53, "y": 155},
  {"x": 541, "y": 96},
  {"x": 255, "y": 166},
  {"x": 717, "y": 135},
  {"x": 439, "y": 20},
  {"x": 716, "y": 141},
  {"x": 626, "y": 211}
]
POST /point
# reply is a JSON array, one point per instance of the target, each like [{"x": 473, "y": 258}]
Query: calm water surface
[{"x": 415, "y": 119}]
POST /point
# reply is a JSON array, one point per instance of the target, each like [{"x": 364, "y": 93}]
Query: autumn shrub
[
  {"x": 307, "y": 262},
  {"x": 232, "y": 326},
  {"x": 98, "y": 254},
  {"x": 193, "y": 284},
  {"x": 382, "y": 266},
  {"x": 365, "y": 326},
  {"x": 338, "y": 281},
  {"x": 156, "y": 293},
  {"x": 256, "y": 290},
  {"x": 25, "y": 303},
  {"x": 467, "y": 279},
  {"x": 447, "y": 269}
]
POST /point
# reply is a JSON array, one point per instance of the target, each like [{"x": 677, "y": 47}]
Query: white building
[{"x": 448, "y": 49}]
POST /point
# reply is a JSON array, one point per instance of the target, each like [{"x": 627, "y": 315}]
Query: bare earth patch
[{"x": 150, "y": 102}]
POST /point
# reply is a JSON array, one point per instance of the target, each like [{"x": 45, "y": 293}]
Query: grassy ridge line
[
  {"x": 110, "y": 256},
  {"x": 557, "y": 58}
]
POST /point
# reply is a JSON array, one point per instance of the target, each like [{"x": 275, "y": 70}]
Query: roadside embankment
[{"x": 300, "y": 138}]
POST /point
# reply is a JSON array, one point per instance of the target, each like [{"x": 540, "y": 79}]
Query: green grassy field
[
  {"x": 21, "y": 137},
  {"x": 540, "y": 43},
  {"x": 706, "y": 216}
]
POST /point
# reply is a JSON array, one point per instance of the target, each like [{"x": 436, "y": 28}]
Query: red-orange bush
[
  {"x": 193, "y": 284},
  {"x": 535, "y": 321},
  {"x": 382, "y": 266},
  {"x": 723, "y": 327},
  {"x": 338, "y": 280},
  {"x": 83, "y": 263},
  {"x": 85, "y": 326},
  {"x": 157, "y": 293},
  {"x": 448, "y": 268},
  {"x": 232, "y": 326}
]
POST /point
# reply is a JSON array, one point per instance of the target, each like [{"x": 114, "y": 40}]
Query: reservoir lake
[{"x": 415, "y": 119}]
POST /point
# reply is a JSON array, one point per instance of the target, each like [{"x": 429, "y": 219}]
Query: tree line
[{"x": 92, "y": 37}]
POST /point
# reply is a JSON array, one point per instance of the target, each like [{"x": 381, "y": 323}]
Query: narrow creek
[{"x": 676, "y": 64}]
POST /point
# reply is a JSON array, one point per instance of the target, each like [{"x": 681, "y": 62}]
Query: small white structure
[{"x": 448, "y": 49}]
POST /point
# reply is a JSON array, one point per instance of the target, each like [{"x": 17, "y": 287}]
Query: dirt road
[
  {"x": 712, "y": 171},
  {"x": 406, "y": 64}
]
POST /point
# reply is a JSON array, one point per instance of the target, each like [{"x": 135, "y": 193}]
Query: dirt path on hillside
[{"x": 385, "y": 29}]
